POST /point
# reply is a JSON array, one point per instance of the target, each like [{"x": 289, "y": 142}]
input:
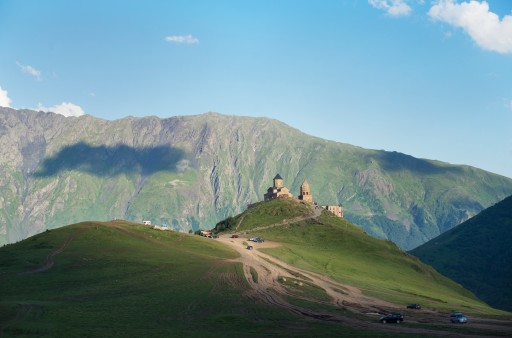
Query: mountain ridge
[{"x": 192, "y": 171}]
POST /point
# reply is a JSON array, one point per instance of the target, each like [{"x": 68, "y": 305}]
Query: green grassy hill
[
  {"x": 477, "y": 254},
  {"x": 121, "y": 279},
  {"x": 336, "y": 248}
]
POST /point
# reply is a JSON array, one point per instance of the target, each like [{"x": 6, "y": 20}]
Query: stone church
[{"x": 278, "y": 190}]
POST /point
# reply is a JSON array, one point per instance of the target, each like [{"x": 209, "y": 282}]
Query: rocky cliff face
[{"x": 190, "y": 172}]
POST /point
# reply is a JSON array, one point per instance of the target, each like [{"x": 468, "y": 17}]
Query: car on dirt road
[
  {"x": 458, "y": 317},
  {"x": 392, "y": 318},
  {"x": 256, "y": 239},
  {"x": 250, "y": 247},
  {"x": 234, "y": 236},
  {"x": 414, "y": 306}
]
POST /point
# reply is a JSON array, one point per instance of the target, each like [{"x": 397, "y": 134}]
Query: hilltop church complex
[{"x": 278, "y": 190}]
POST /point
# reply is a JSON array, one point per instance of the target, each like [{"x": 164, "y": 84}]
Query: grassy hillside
[
  {"x": 119, "y": 279},
  {"x": 336, "y": 248},
  {"x": 477, "y": 254},
  {"x": 265, "y": 214}
]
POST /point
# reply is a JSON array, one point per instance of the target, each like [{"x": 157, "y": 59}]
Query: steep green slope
[
  {"x": 336, "y": 248},
  {"x": 191, "y": 171},
  {"x": 477, "y": 254}
]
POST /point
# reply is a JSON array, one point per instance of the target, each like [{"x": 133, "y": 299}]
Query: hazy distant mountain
[
  {"x": 192, "y": 171},
  {"x": 477, "y": 254}
]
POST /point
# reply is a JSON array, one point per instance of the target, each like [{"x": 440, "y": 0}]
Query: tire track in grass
[{"x": 50, "y": 257}]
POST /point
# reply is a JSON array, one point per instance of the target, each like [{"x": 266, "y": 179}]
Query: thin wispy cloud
[
  {"x": 508, "y": 104},
  {"x": 476, "y": 19},
  {"x": 5, "y": 101},
  {"x": 65, "y": 108},
  {"x": 392, "y": 7},
  {"x": 30, "y": 70},
  {"x": 182, "y": 39}
]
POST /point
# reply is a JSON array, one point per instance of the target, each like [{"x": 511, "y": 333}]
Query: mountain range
[
  {"x": 189, "y": 172},
  {"x": 477, "y": 254}
]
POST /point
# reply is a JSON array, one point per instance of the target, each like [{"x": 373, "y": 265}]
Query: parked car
[
  {"x": 414, "y": 306},
  {"x": 458, "y": 317},
  {"x": 257, "y": 239},
  {"x": 249, "y": 247},
  {"x": 392, "y": 318},
  {"x": 234, "y": 236}
]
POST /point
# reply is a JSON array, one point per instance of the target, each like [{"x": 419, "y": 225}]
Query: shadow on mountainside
[
  {"x": 111, "y": 161},
  {"x": 395, "y": 161}
]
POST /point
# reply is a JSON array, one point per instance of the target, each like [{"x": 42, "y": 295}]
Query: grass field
[
  {"x": 118, "y": 279},
  {"x": 336, "y": 248}
]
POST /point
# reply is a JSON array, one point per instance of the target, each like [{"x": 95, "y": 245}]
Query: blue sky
[{"x": 432, "y": 79}]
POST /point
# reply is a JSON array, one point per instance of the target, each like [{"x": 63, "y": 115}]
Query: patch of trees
[{"x": 228, "y": 223}]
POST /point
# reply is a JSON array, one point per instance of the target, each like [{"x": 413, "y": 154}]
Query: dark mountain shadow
[
  {"x": 395, "y": 161},
  {"x": 111, "y": 161}
]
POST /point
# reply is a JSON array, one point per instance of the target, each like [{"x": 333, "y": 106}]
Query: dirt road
[{"x": 268, "y": 288}]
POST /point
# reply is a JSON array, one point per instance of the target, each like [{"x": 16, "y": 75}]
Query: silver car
[{"x": 458, "y": 317}]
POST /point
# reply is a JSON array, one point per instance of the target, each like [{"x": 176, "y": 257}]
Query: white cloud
[
  {"x": 5, "y": 101},
  {"x": 392, "y": 7},
  {"x": 30, "y": 70},
  {"x": 186, "y": 39},
  {"x": 65, "y": 108},
  {"x": 482, "y": 25}
]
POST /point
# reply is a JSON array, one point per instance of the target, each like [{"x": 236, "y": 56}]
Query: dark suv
[
  {"x": 414, "y": 306},
  {"x": 392, "y": 318}
]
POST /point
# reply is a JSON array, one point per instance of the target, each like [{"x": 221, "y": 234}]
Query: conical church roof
[{"x": 278, "y": 177}]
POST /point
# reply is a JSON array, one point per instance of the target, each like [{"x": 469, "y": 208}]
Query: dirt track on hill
[
  {"x": 317, "y": 211},
  {"x": 367, "y": 310},
  {"x": 49, "y": 258}
]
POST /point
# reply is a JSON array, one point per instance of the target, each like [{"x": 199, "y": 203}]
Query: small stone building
[
  {"x": 337, "y": 210},
  {"x": 278, "y": 190}
]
